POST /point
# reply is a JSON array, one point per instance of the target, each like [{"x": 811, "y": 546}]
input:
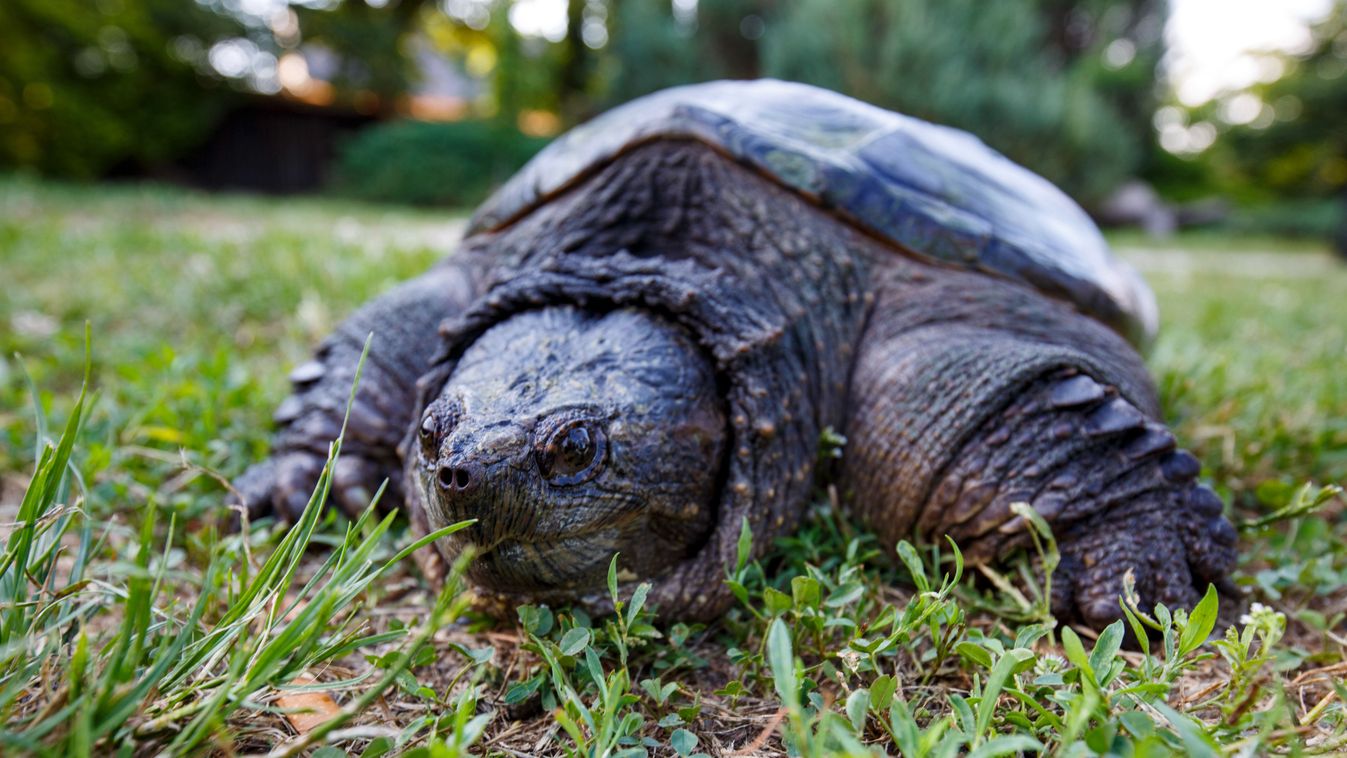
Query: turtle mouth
[
  {"x": 487, "y": 541},
  {"x": 573, "y": 561}
]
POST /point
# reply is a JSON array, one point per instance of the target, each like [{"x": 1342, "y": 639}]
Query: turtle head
[{"x": 570, "y": 436}]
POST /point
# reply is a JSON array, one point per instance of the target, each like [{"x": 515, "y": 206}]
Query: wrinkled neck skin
[{"x": 570, "y": 436}]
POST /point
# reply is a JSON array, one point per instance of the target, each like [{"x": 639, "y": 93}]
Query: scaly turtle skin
[{"x": 645, "y": 332}]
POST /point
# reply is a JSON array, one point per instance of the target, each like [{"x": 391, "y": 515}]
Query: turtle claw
[
  {"x": 284, "y": 485},
  {"x": 356, "y": 481},
  {"x": 251, "y": 493},
  {"x": 281, "y": 486},
  {"x": 1163, "y": 551},
  {"x": 1210, "y": 539},
  {"x": 297, "y": 476},
  {"x": 321, "y": 410}
]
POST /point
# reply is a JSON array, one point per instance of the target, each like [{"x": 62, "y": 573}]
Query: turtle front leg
[
  {"x": 953, "y": 423},
  {"x": 1118, "y": 493},
  {"x": 405, "y": 324}
]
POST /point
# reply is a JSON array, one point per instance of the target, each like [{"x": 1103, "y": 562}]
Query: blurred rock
[
  {"x": 1212, "y": 210},
  {"x": 1136, "y": 203}
]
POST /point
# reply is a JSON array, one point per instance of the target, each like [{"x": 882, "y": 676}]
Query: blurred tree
[
  {"x": 733, "y": 34},
  {"x": 1114, "y": 48},
  {"x": 372, "y": 46},
  {"x": 1031, "y": 77},
  {"x": 658, "y": 43},
  {"x": 375, "y": 45},
  {"x": 529, "y": 71},
  {"x": 576, "y": 69},
  {"x": 1286, "y": 140},
  {"x": 1066, "y": 87},
  {"x": 1295, "y": 142},
  {"x": 650, "y": 47},
  {"x": 86, "y": 85}
]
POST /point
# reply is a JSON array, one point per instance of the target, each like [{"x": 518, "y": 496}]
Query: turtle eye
[
  {"x": 572, "y": 453},
  {"x": 438, "y": 420},
  {"x": 429, "y": 434}
]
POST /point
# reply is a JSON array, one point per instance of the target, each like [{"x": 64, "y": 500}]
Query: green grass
[{"x": 131, "y": 621}]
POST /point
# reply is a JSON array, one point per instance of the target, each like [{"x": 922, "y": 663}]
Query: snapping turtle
[{"x": 646, "y": 331}]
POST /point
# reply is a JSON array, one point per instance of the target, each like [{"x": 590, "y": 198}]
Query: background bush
[
  {"x": 1316, "y": 218},
  {"x": 430, "y": 163}
]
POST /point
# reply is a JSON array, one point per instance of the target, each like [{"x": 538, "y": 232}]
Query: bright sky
[
  {"x": 540, "y": 18},
  {"x": 1210, "y": 41}
]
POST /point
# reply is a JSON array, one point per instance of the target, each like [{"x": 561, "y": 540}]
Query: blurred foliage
[
  {"x": 1300, "y": 147},
  {"x": 377, "y": 46},
  {"x": 432, "y": 163},
  {"x": 993, "y": 69},
  {"x": 1069, "y": 88},
  {"x": 1064, "y": 86},
  {"x": 87, "y": 85},
  {"x": 531, "y": 74},
  {"x": 1031, "y": 77},
  {"x": 1280, "y": 149},
  {"x": 652, "y": 45},
  {"x": 1316, "y": 217},
  {"x": 372, "y": 45}
]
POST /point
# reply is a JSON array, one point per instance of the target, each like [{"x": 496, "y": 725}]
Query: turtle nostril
[{"x": 458, "y": 479}]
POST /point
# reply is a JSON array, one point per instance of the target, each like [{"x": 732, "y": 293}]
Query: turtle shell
[{"x": 934, "y": 191}]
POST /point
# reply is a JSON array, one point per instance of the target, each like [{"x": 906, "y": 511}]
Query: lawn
[{"x": 134, "y": 620}]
